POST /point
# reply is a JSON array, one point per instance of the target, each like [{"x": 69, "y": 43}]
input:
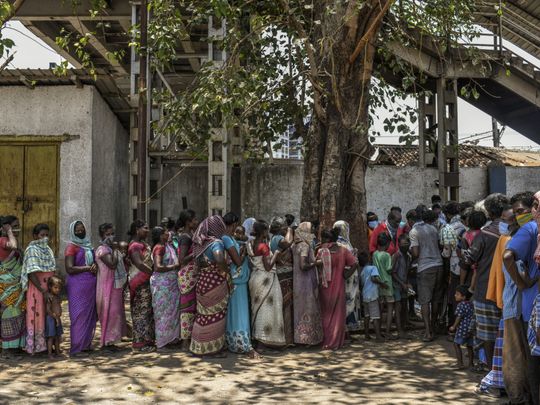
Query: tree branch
[
  {"x": 14, "y": 8},
  {"x": 370, "y": 31}
]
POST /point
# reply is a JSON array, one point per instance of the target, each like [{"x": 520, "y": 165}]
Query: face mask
[
  {"x": 108, "y": 240},
  {"x": 404, "y": 249},
  {"x": 81, "y": 235},
  {"x": 45, "y": 240},
  {"x": 504, "y": 228},
  {"x": 522, "y": 219},
  {"x": 402, "y": 224},
  {"x": 373, "y": 224}
]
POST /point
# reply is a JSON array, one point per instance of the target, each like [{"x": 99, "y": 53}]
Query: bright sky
[{"x": 33, "y": 53}]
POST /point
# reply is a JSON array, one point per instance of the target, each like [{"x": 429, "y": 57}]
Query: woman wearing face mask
[
  {"x": 11, "y": 293},
  {"x": 81, "y": 288},
  {"x": 111, "y": 278},
  {"x": 372, "y": 223},
  {"x": 38, "y": 266}
]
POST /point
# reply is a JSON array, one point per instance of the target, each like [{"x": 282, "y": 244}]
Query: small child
[
  {"x": 369, "y": 277},
  {"x": 240, "y": 235},
  {"x": 383, "y": 261},
  {"x": 462, "y": 325},
  {"x": 53, "y": 323}
]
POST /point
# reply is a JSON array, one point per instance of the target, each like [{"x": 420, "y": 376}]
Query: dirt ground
[{"x": 398, "y": 372}]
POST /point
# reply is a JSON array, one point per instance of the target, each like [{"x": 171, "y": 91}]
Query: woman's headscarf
[
  {"x": 209, "y": 231},
  {"x": 303, "y": 233},
  {"x": 85, "y": 243},
  {"x": 536, "y": 216},
  {"x": 344, "y": 234},
  {"x": 38, "y": 257},
  {"x": 248, "y": 226}
]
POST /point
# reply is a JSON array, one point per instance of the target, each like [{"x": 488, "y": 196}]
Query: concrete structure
[{"x": 93, "y": 167}]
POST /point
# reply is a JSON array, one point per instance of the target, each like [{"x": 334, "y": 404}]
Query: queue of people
[{"x": 219, "y": 284}]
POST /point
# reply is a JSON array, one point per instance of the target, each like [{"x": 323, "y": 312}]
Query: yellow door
[
  {"x": 12, "y": 175},
  {"x": 29, "y": 189},
  {"x": 41, "y": 190}
]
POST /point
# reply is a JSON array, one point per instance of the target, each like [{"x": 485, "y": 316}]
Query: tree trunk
[{"x": 337, "y": 149}]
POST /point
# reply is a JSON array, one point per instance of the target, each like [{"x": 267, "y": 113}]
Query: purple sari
[{"x": 81, "y": 292}]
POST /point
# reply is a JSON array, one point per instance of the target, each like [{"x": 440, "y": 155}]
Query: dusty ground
[{"x": 401, "y": 372}]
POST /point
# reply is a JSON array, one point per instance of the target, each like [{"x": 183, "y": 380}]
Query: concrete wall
[
  {"x": 270, "y": 190},
  {"x": 95, "y": 160},
  {"x": 110, "y": 169},
  {"x": 520, "y": 179},
  {"x": 192, "y": 183}
]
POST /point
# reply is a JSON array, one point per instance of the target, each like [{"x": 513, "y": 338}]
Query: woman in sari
[
  {"x": 12, "y": 303},
  {"x": 111, "y": 279},
  {"x": 282, "y": 240},
  {"x": 165, "y": 291},
  {"x": 81, "y": 288},
  {"x": 266, "y": 298},
  {"x": 352, "y": 285},
  {"x": 187, "y": 276},
  {"x": 337, "y": 264},
  {"x": 38, "y": 266},
  {"x": 238, "y": 334},
  {"x": 140, "y": 270},
  {"x": 208, "y": 336},
  {"x": 307, "y": 313}
]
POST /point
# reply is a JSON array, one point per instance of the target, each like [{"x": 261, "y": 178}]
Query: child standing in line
[
  {"x": 401, "y": 262},
  {"x": 369, "y": 277},
  {"x": 462, "y": 326},
  {"x": 383, "y": 261},
  {"x": 53, "y": 322}
]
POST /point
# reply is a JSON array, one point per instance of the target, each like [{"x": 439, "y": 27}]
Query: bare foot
[{"x": 254, "y": 355}]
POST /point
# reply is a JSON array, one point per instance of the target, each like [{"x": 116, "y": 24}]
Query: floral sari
[{"x": 12, "y": 303}]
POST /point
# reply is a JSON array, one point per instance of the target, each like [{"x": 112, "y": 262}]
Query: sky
[{"x": 31, "y": 52}]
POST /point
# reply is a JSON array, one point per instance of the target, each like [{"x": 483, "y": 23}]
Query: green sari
[{"x": 12, "y": 303}]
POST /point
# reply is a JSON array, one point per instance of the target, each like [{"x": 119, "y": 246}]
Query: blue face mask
[
  {"x": 373, "y": 224},
  {"x": 504, "y": 228},
  {"x": 402, "y": 224}
]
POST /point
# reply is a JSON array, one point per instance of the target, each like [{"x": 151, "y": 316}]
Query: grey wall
[
  {"x": 192, "y": 183},
  {"x": 57, "y": 110},
  {"x": 520, "y": 179},
  {"x": 269, "y": 190},
  {"x": 110, "y": 169},
  {"x": 93, "y": 167}
]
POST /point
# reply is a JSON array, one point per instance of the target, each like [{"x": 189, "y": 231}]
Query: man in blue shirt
[{"x": 521, "y": 248}]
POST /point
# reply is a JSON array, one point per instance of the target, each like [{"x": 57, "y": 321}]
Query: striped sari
[
  {"x": 12, "y": 303},
  {"x": 208, "y": 336},
  {"x": 187, "y": 280}
]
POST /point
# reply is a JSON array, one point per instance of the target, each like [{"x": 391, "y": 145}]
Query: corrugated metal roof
[
  {"x": 104, "y": 83},
  {"x": 469, "y": 156}
]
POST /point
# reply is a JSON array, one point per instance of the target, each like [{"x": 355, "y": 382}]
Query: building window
[
  {"x": 153, "y": 189},
  {"x": 217, "y": 151},
  {"x": 217, "y": 185},
  {"x": 153, "y": 217}
]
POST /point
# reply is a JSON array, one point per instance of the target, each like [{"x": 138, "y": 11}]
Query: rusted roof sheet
[{"x": 469, "y": 156}]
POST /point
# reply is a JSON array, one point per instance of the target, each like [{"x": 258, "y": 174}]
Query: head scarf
[
  {"x": 38, "y": 257},
  {"x": 209, "y": 231},
  {"x": 248, "y": 226},
  {"x": 85, "y": 243},
  {"x": 303, "y": 233},
  {"x": 536, "y": 216},
  {"x": 344, "y": 234}
]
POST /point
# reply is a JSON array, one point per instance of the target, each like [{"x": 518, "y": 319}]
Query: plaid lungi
[
  {"x": 494, "y": 379},
  {"x": 487, "y": 321}
]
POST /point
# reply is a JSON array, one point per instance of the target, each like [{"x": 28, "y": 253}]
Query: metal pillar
[
  {"x": 447, "y": 139},
  {"x": 142, "y": 139}
]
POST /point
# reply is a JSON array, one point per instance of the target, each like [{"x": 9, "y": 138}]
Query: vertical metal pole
[
  {"x": 500, "y": 12},
  {"x": 422, "y": 131},
  {"x": 496, "y": 133},
  {"x": 142, "y": 156}
]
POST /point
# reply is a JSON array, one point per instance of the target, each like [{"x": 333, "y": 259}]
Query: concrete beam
[
  {"x": 527, "y": 89},
  {"x": 47, "y": 9}
]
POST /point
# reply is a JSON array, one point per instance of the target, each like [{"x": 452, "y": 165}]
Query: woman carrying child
[
  {"x": 111, "y": 279},
  {"x": 337, "y": 264},
  {"x": 165, "y": 290}
]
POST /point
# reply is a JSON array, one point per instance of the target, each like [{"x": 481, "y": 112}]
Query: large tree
[{"x": 292, "y": 62}]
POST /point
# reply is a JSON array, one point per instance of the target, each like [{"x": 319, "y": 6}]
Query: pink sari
[
  {"x": 35, "y": 315},
  {"x": 109, "y": 302}
]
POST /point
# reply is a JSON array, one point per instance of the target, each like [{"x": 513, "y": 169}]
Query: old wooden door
[{"x": 31, "y": 172}]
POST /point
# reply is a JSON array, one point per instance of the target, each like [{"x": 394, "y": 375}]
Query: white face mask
[{"x": 45, "y": 240}]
